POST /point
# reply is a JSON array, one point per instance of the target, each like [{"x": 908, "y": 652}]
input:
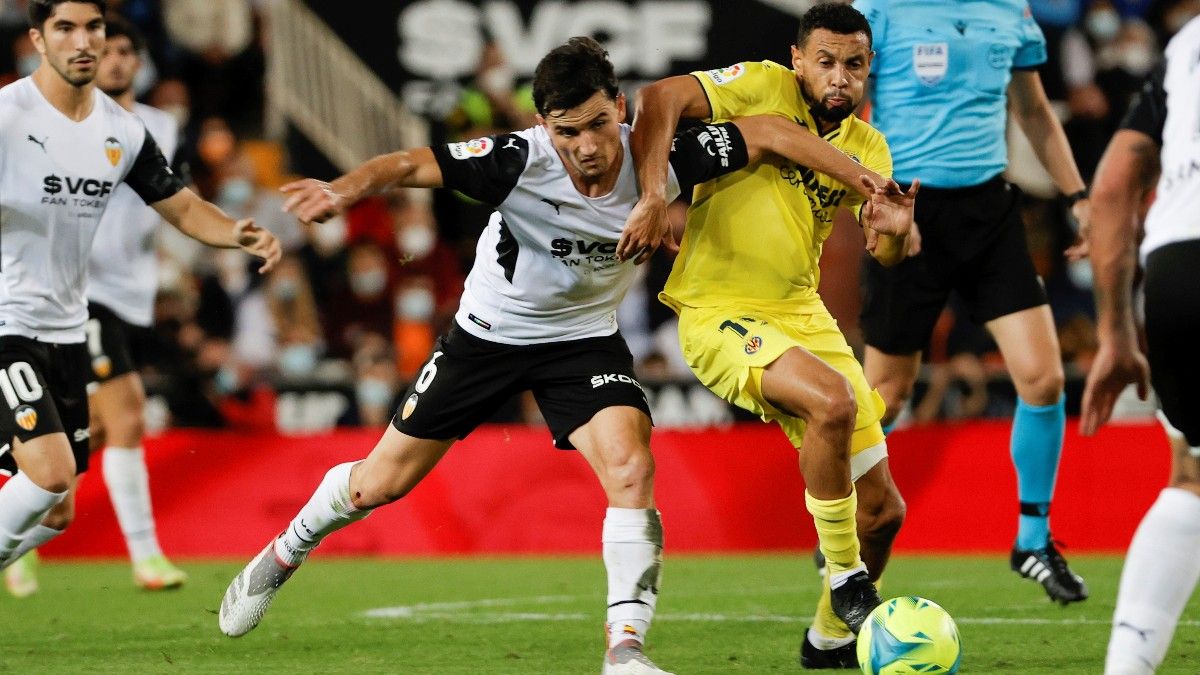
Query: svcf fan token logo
[
  {"x": 102, "y": 366},
  {"x": 26, "y": 417},
  {"x": 112, "y": 149},
  {"x": 409, "y": 406},
  {"x": 727, "y": 75},
  {"x": 476, "y": 147},
  {"x": 753, "y": 345}
]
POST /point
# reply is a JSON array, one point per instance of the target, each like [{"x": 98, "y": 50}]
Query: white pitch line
[{"x": 462, "y": 612}]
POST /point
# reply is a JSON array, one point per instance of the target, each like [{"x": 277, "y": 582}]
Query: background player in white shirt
[
  {"x": 537, "y": 314},
  {"x": 1155, "y": 149},
  {"x": 122, "y": 280},
  {"x": 64, "y": 146}
]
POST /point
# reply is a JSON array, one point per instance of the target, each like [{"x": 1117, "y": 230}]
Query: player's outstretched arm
[
  {"x": 658, "y": 109},
  {"x": 1028, "y": 103},
  {"x": 315, "y": 201},
  {"x": 1125, "y": 175},
  {"x": 205, "y": 222},
  {"x": 774, "y": 135}
]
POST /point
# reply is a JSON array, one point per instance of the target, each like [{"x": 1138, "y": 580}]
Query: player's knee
[
  {"x": 630, "y": 471},
  {"x": 97, "y": 437},
  {"x": 837, "y": 407},
  {"x": 1044, "y": 387},
  {"x": 126, "y": 429},
  {"x": 54, "y": 475},
  {"x": 882, "y": 522},
  {"x": 895, "y": 396}
]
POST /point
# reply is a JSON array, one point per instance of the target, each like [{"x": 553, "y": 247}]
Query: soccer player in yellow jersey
[{"x": 751, "y": 324}]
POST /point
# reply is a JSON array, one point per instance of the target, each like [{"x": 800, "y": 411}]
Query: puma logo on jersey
[
  {"x": 555, "y": 205},
  {"x": 41, "y": 144}
]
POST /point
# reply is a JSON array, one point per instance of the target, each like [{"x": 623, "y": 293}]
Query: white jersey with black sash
[{"x": 546, "y": 268}]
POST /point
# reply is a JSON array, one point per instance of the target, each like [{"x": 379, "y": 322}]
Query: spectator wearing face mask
[
  {"x": 362, "y": 305},
  {"x": 239, "y": 194},
  {"x": 298, "y": 336}
]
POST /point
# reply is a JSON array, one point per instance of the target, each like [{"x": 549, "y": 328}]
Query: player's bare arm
[
  {"x": 1028, "y": 103},
  {"x": 315, "y": 201},
  {"x": 774, "y": 135},
  {"x": 205, "y": 222},
  {"x": 658, "y": 109},
  {"x": 1125, "y": 176}
]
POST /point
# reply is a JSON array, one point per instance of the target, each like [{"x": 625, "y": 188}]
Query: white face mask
[
  {"x": 1136, "y": 59},
  {"x": 417, "y": 241},
  {"x": 28, "y": 63},
  {"x": 297, "y": 360},
  {"x": 1080, "y": 274},
  {"x": 330, "y": 236},
  {"x": 170, "y": 275},
  {"x": 497, "y": 81},
  {"x": 415, "y": 304},
  {"x": 374, "y": 393},
  {"x": 231, "y": 271},
  {"x": 368, "y": 284},
  {"x": 1103, "y": 24}
]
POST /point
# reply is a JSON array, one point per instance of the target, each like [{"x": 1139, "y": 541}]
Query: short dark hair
[
  {"x": 40, "y": 10},
  {"x": 571, "y": 74},
  {"x": 115, "y": 26},
  {"x": 834, "y": 17}
]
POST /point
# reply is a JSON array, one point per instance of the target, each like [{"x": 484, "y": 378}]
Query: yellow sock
[
  {"x": 837, "y": 531},
  {"x": 826, "y": 623}
]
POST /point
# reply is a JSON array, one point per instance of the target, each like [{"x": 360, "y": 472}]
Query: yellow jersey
[{"x": 754, "y": 236}]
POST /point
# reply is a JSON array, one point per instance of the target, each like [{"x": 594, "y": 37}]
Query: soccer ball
[{"x": 909, "y": 635}]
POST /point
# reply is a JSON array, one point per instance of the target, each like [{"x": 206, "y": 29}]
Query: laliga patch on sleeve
[
  {"x": 476, "y": 147},
  {"x": 726, "y": 75}
]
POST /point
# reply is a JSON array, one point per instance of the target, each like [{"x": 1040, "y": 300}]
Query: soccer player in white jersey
[
  {"x": 122, "y": 276},
  {"x": 1157, "y": 143},
  {"x": 537, "y": 313},
  {"x": 64, "y": 147}
]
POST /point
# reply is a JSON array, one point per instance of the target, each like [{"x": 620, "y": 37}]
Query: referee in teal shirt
[{"x": 945, "y": 74}]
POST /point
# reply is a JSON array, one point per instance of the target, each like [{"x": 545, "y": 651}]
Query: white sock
[
  {"x": 825, "y": 643},
  {"x": 1161, "y": 570},
  {"x": 22, "y": 505},
  {"x": 129, "y": 488},
  {"x": 328, "y": 510},
  {"x": 633, "y": 543},
  {"x": 34, "y": 537},
  {"x": 839, "y": 579}
]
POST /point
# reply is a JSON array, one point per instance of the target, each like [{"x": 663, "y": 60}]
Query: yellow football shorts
[{"x": 728, "y": 351}]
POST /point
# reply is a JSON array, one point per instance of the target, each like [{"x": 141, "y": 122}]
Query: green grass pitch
[{"x": 726, "y": 614}]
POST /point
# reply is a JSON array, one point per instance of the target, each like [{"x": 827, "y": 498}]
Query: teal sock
[{"x": 1037, "y": 438}]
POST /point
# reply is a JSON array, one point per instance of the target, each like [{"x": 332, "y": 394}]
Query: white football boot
[
  {"x": 627, "y": 658},
  {"x": 251, "y": 592}
]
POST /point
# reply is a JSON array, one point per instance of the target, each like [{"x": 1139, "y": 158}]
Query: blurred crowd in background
[{"x": 357, "y": 302}]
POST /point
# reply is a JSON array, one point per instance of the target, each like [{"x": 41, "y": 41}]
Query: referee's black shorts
[
  {"x": 1172, "y": 320},
  {"x": 973, "y": 243}
]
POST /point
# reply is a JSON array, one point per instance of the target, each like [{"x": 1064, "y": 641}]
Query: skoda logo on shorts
[
  {"x": 409, "y": 406},
  {"x": 26, "y": 417},
  {"x": 102, "y": 366},
  {"x": 753, "y": 345}
]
